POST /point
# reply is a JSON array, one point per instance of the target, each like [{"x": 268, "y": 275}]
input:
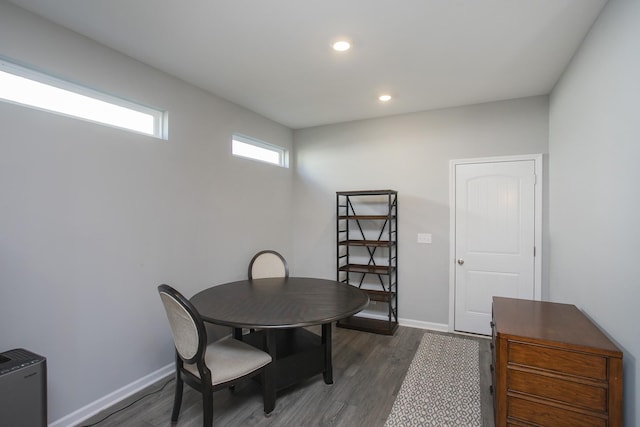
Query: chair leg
[
  {"x": 207, "y": 406},
  {"x": 268, "y": 393},
  {"x": 268, "y": 374},
  {"x": 177, "y": 399}
]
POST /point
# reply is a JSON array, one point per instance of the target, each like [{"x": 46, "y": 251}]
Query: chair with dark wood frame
[
  {"x": 208, "y": 367},
  {"x": 266, "y": 264}
]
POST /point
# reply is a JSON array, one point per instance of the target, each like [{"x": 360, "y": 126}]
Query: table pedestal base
[{"x": 297, "y": 353}]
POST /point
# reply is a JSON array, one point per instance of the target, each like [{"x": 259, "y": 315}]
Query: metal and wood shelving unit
[{"x": 367, "y": 253}]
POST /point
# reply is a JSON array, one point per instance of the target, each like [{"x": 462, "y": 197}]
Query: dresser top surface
[{"x": 562, "y": 324}]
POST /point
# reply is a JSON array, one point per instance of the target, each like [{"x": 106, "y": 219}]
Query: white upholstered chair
[
  {"x": 207, "y": 367},
  {"x": 266, "y": 264}
]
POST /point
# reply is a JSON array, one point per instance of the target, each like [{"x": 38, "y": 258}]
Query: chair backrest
[
  {"x": 187, "y": 327},
  {"x": 268, "y": 264}
]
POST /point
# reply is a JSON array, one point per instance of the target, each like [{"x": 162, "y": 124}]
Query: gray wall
[
  {"x": 594, "y": 144},
  {"x": 411, "y": 154},
  {"x": 93, "y": 218}
]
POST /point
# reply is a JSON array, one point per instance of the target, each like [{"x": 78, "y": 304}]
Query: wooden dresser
[{"x": 552, "y": 367}]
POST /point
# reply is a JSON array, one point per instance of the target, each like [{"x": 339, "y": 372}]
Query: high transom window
[
  {"x": 34, "y": 89},
  {"x": 251, "y": 148}
]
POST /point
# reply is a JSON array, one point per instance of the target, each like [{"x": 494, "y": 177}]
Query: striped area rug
[{"x": 442, "y": 385}]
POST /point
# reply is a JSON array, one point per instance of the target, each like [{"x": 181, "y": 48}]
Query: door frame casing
[{"x": 537, "y": 272}]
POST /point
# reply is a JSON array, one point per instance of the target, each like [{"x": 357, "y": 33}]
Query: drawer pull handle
[
  {"x": 491, "y": 345},
  {"x": 491, "y": 368},
  {"x": 490, "y": 389}
]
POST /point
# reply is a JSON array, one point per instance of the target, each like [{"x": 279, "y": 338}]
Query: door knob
[{"x": 460, "y": 261}]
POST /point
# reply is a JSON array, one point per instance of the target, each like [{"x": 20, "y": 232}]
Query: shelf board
[
  {"x": 382, "y": 296},
  {"x": 363, "y": 268},
  {"x": 359, "y": 217},
  {"x": 366, "y": 324},
  {"x": 367, "y": 243},
  {"x": 366, "y": 193}
]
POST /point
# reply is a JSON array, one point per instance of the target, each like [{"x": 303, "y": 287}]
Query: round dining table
[{"x": 276, "y": 311}]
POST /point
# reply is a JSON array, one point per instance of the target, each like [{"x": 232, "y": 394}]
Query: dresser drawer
[
  {"x": 581, "y": 395},
  {"x": 541, "y": 414},
  {"x": 561, "y": 361}
]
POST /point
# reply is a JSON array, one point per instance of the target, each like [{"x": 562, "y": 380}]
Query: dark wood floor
[{"x": 368, "y": 370}]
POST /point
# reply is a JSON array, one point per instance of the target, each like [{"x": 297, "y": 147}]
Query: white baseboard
[
  {"x": 88, "y": 411},
  {"x": 440, "y": 327}
]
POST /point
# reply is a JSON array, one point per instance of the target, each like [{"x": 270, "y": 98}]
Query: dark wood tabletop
[{"x": 279, "y": 302}]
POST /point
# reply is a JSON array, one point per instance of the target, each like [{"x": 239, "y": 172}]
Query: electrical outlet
[{"x": 424, "y": 238}]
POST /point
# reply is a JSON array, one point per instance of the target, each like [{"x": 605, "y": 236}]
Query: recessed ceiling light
[
  {"x": 341, "y": 45},
  {"x": 384, "y": 98}
]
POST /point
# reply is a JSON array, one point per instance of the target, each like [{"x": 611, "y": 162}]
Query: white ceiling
[{"x": 274, "y": 56}]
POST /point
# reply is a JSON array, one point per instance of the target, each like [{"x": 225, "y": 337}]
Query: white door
[{"x": 494, "y": 238}]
